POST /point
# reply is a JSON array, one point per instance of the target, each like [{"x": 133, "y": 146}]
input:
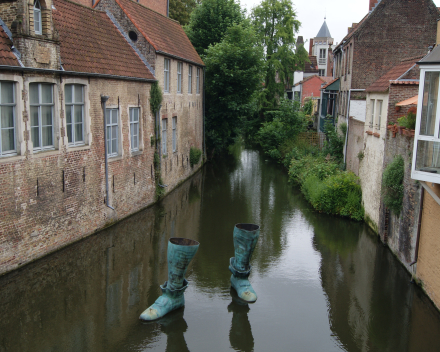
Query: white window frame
[
  {"x": 179, "y": 77},
  {"x": 71, "y": 106},
  {"x": 198, "y": 81},
  {"x": 14, "y": 127},
  {"x": 112, "y": 126},
  {"x": 418, "y": 174},
  {"x": 322, "y": 53},
  {"x": 134, "y": 128},
  {"x": 190, "y": 79},
  {"x": 174, "y": 122},
  {"x": 40, "y": 126},
  {"x": 166, "y": 75},
  {"x": 372, "y": 111},
  {"x": 37, "y": 17},
  {"x": 321, "y": 70},
  {"x": 379, "y": 106},
  {"x": 164, "y": 136}
]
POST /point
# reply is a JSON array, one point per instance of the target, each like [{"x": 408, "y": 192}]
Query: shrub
[
  {"x": 408, "y": 121},
  {"x": 334, "y": 143},
  {"x": 392, "y": 184},
  {"x": 302, "y": 168},
  {"x": 194, "y": 156}
]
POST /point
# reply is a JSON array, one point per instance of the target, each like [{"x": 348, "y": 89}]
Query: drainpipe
[
  {"x": 348, "y": 120},
  {"x": 104, "y": 99},
  {"x": 416, "y": 254},
  {"x": 158, "y": 126}
]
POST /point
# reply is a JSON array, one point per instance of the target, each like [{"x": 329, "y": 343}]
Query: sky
[{"x": 340, "y": 15}]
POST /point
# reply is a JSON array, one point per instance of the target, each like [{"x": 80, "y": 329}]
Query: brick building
[
  {"x": 392, "y": 30},
  {"x": 62, "y": 64}
]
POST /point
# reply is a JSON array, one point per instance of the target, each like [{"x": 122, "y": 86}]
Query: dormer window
[{"x": 37, "y": 17}]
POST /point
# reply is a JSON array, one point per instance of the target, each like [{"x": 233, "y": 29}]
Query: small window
[
  {"x": 322, "y": 53},
  {"x": 112, "y": 121},
  {"x": 164, "y": 136},
  {"x": 166, "y": 75},
  {"x": 179, "y": 77},
  {"x": 198, "y": 81},
  {"x": 7, "y": 120},
  {"x": 134, "y": 129},
  {"x": 42, "y": 110},
  {"x": 321, "y": 72},
  {"x": 379, "y": 113},
  {"x": 74, "y": 113},
  {"x": 133, "y": 36},
  {"x": 372, "y": 105},
  {"x": 37, "y": 17},
  {"x": 174, "y": 133},
  {"x": 190, "y": 79}
]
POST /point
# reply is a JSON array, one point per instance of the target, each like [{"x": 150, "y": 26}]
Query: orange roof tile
[
  {"x": 7, "y": 57},
  {"x": 166, "y": 35},
  {"x": 330, "y": 82},
  {"x": 382, "y": 84},
  {"x": 90, "y": 42}
]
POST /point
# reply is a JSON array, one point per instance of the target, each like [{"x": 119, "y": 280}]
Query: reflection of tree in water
[{"x": 240, "y": 334}]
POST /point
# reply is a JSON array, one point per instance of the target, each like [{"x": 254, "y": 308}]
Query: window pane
[
  {"x": 136, "y": 115},
  {"x": 68, "y": 93},
  {"x": 114, "y": 116},
  {"x": 429, "y": 104},
  {"x": 7, "y": 140},
  {"x": 33, "y": 93},
  {"x": 34, "y": 116},
  {"x": 46, "y": 93},
  {"x": 78, "y": 93},
  {"x": 77, "y": 109},
  {"x": 428, "y": 156},
  {"x": 35, "y": 137},
  {"x": 78, "y": 132},
  {"x": 7, "y": 93},
  {"x": 46, "y": 115},
  {"x": 114, "y": 146},
  {"x": 135, "y": 143},
  {"x": 107, "y": 116},
  {"x": 68, "y": 114},
  {"x": 69, "y": 133},
  {"x": 47, "y": 136},
  {"x": 7, "y": 118},
  {"x": 114, "y": 132}
]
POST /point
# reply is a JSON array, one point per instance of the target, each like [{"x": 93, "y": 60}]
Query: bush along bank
[{"x": 320, "y": 174}]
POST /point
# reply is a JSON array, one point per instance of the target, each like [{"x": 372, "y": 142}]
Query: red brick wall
[
  {"x": 312, "y": 87},
  {"x": 398, "y": 93}
]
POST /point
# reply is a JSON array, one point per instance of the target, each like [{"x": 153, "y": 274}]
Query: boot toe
[{"x": 149, "y": 314}]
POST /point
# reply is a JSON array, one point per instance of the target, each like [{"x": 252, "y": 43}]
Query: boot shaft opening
[
  {"x": 247, "y": 227},
  {"x": 183, "y": 241}
]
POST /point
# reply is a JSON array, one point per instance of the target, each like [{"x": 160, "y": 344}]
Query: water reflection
[{"x": 240, "y": 334}]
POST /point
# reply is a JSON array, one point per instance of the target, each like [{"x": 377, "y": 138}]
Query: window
[
  {"x": 372, "y": 104},
  {"x": 379, "y": 113},
  {"x": 37, "y": 17},
  {"x": 134, "y": 129},
  {"x": 179, "y": 77},
  {"x": 350, "y": 52},
  {"x": 74, "y": 113},
  {"x": 166, "y": 75},
  {"x": 7, "y": 120},
  {"x": 42, "y": 109},
  {"x": 322, "y": 53},
  {"x": 321, "y": 72},
  {"x": 164, "y": 136},
  {"x": 174, "y": 133},
  {"x": 111, "y": 117},
  {"x": 198, "y": 81},
  {"x": 189, "y": 79}
]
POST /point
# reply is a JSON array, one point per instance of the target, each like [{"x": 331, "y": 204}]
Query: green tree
[
  {"x": 276, "y": 24},
  {"x": 210, "y": 21},
  {"x": 233, "y": 75},
  {"x": 180, "y": 10}
]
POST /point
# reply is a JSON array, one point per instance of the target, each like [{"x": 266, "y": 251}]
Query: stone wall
[
  {"x": 400, "y": 232},
  {"x": 428, "y": 263},
  {"x": 355, "y": 144}
]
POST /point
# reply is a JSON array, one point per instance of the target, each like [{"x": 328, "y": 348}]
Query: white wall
[{"x": 358, "y": 109}]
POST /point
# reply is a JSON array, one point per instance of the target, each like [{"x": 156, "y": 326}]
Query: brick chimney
[
  {"x": 310, "y": 46},
  {"x": 372, "y": 3}
]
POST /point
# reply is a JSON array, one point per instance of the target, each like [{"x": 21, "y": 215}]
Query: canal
[{"x": 323, "y": 283}]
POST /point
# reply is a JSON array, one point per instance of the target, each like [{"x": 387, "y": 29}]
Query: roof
[
  {"x": 164, "y": 34},
  {"x": 410, "y": 101},
  {"x": 383, "y": 83},
  {"x": 330, "y": 83},
  {"x": 351, "y": 33},
  {"x": 312, "y": 66},
  {"x": 7, "y": 57},
  {"x": 90, "y": 42},
  {"x": 432, "y": 58},
  {"x": 322, "y": 78},
  {"x": 324, "y": 31}
]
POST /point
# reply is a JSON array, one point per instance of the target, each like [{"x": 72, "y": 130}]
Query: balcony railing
[{"x": 322, "y": 61}]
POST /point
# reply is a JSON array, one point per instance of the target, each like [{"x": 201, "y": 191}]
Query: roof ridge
[
  {"x": 139, "y": 4},
  {"x": 84, "y": 6},
  {"x": 412, "y": 58}
]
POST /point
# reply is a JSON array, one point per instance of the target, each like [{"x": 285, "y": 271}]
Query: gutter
[
  {"x": 74, "y": 73},
  {"x": 348, "y": 120},
  {"x": 103, "y": 101}
]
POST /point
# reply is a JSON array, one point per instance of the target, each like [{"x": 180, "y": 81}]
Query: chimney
[
  {"x": 372, "y": 3},
  {"x": 300, "y": 40},
  {"x": 310, "y": 47},
  {"x": 437, "y": 41}
]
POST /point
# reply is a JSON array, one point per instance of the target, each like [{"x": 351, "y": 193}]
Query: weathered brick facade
[{"x": 355, "y": 144}]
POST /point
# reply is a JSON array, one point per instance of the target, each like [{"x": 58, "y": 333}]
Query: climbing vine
[{"x": 392, "y": 184}]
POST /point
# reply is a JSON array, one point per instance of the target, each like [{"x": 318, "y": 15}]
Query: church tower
[{"x": 322, "y": 44}]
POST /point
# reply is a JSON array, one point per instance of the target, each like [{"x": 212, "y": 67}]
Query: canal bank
[{"x": 323, "y": 283}]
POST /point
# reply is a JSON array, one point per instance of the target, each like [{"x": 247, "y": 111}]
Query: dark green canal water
[{"x": 323, "y": 283}]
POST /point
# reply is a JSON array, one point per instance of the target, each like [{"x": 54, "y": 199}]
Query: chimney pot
[{"x": 372, "y": 3}]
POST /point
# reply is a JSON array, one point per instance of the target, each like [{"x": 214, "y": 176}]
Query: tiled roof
[
  {"x": 90, "y": 42},
  {"x": 382, "y": 84},
  {"x": 7, "y": 57},
  {"x": 308, "y": 66},
  {"x": 166, "y": 35},
  {"x": 322, "y": 78},
  {"x": 331, "y": 82}
]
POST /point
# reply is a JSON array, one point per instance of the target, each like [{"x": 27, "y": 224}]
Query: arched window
[{"x": 37, "y": 17}]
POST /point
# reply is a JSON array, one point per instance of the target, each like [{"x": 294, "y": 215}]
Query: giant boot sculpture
[
  {"x": 180, "y": 253},
  {"x": 245, "y": 240}
]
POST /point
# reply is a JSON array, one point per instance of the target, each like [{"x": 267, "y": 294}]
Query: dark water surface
[{"x": 323, "y": 283}]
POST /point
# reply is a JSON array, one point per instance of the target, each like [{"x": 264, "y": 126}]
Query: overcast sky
[{"x": 340, "y": 15}]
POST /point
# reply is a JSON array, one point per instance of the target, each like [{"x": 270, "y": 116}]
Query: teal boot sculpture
[
  {"x": 245, "y": 240},
  {"x": 180, "y": 253}
]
